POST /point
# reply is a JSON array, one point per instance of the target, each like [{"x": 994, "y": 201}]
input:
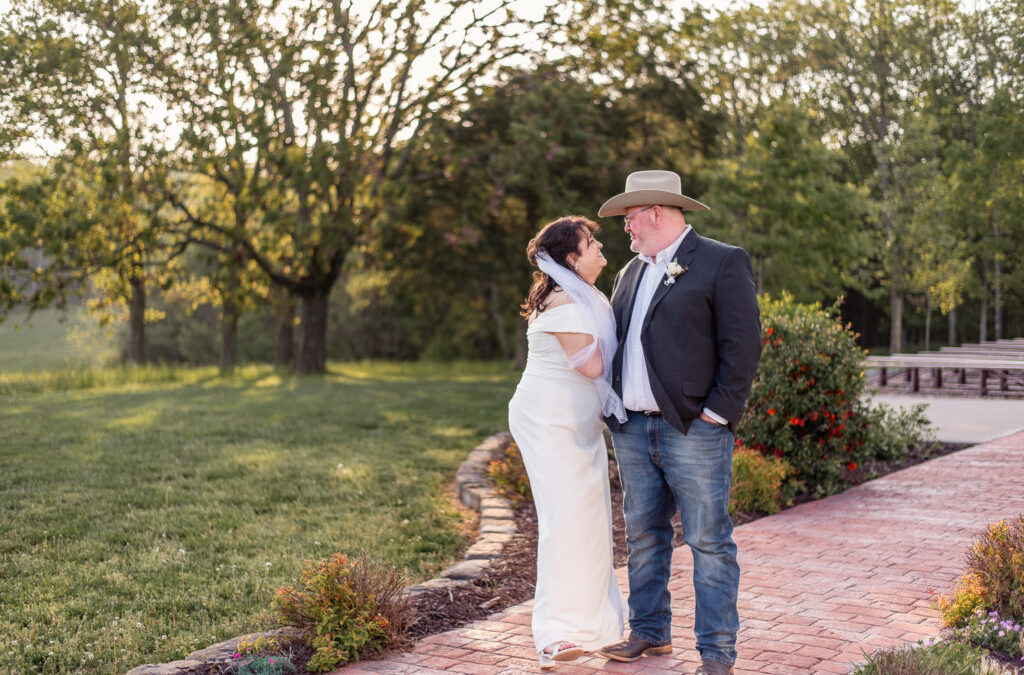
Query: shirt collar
[{"x": 664, "y": 253}]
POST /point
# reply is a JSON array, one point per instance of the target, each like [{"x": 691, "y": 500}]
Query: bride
[{"x": 555, "y": 418}]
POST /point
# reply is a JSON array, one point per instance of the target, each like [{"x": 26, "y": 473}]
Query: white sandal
[{"x": 563, "y": 651}]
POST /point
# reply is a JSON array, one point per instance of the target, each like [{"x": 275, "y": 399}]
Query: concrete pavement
[{"x": 965, "y": 420}]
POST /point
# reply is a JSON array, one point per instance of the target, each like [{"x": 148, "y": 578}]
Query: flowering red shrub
[{"x": 804, "y": 405}]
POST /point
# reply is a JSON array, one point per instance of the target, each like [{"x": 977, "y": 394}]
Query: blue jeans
[{"x": 661, "y": 469}]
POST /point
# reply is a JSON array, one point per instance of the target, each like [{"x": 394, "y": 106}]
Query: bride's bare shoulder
[{"x": 557, "y": 298}]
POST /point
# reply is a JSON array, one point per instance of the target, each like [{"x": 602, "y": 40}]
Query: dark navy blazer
[{"x": 701, "y": 335}]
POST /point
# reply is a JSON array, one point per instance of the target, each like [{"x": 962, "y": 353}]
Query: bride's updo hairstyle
[{"x": 559, "y": 238}]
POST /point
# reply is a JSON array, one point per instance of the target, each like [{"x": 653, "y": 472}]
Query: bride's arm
[{"x": 573, "y": 343}]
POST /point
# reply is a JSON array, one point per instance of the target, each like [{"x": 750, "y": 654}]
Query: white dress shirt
[{"x": 636, "y": 385}]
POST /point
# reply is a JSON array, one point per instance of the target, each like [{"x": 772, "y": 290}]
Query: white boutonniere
[{"x": 674, "y": 270}]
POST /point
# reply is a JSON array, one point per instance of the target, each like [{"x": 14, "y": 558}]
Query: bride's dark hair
[{"x": 559, "y": 238}]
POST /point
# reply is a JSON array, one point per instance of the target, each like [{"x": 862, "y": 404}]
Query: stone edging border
[
  {"x": 497, "y": 519},
  {"x": 497, "y": 527}
]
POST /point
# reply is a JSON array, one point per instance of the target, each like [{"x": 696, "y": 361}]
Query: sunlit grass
[
  {"x": 54, "y": 338},
  {"x": 146, "y": 512}
]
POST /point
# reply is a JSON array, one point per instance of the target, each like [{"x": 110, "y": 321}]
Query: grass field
[
  {"x": 144, "y": 513},
  {"x": 53, "y": 338}
]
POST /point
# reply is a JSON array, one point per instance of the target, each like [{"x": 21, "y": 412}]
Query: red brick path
[{"x": 820, "y": 583}]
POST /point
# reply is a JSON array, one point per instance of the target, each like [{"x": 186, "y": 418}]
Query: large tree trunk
[
  {"x": 983, "y": 322},
  {"x": 522, "y": 345},
  {"x": 137, "y": 321},
  {"x": 896, "y": 328},
  {"x": 499, "y": 321},
  {"x": 284, "y": 336},
  {"x": 997, "y": 290},
  {"x": 312, "y": 356},
  {"x": 927, "y": 325},
  {"x": 228, "y": 333}
]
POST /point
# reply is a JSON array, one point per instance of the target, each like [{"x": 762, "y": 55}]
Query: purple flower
[
  {"x": 272, "y": 660},
  {"x": 1002, "y": 633},
  {"x": 236, "y": 656}
]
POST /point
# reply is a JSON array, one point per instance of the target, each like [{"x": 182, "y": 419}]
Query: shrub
[
  {"x": 989, "y": 598},
  {"x": 756, "y": 481},
  {"x": 997, "y": 560},
  {"x": 268, "y": 665},
  {"x": 991, "y": 631},
  {"x": 346, "y": 608},
  {"x": 261, "y": 643},
  {"x": 968, "y": 597},
  {"x": 509, "y": 475},
  {"x": 939, "y": 658},
  {"x": 890, "y": 432},
  {"x": 805, "y": 405}
]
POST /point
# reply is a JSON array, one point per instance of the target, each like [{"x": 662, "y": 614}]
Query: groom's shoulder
[{"x": 719, "y": 248}]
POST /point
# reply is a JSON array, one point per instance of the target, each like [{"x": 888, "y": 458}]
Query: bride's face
[{"x": 590, "y": 259}]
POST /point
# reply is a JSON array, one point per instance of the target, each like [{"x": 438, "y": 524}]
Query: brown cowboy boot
[{"x": 632, "y": 649}]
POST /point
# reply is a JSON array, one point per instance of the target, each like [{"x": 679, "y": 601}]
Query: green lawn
[
  {"x": 53, "y": 338},
  {"x": 144, "y": 513}
]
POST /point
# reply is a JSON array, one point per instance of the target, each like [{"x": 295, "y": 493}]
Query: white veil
[{"x": 600, "y": 319}]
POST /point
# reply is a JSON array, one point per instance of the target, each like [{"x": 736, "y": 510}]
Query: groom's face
[{"x": 639, "y": 225}]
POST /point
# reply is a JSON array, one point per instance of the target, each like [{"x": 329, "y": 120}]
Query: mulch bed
[{"x": 511, "y": 578}]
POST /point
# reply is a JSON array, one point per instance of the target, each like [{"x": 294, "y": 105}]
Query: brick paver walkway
[{"x": 821, "y": 583}]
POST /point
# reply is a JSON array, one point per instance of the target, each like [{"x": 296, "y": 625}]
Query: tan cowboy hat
[{"x": 649, "y": 188}]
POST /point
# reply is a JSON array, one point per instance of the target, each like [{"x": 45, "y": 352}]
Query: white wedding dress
[{"x": 555, "y": 418}]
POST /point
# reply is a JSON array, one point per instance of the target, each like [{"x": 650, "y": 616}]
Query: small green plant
[
  {"x": 937, "y": 658},
  {"x": 997, "y": 559},
  {"x": 347, "y": 609},
  {"x": 756, "y": 481},
  {"x": 991, "y": 631},
  {"x": 261, "y": 643},
  {"x": 509, "y": 475},
  {"x": 994, "y": 578},
  {"x": 267, "y": 665},
  {"x": 968, "y": 597}
]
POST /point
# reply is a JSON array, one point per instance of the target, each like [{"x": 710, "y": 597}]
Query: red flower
[
  {"x": 852, "y": 466},
  {"x": 770, "y": 331},
  {"x": 796, "y": 421},
  {"x": 777, "y": 453},
  {"x": 771, "y": 411},
  {"x": 814, "y": 416}
]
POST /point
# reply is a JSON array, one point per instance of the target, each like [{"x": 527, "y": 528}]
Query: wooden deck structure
[{"x": 985, "y": 369}]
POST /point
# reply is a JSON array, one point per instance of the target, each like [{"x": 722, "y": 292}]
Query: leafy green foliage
[
  {"x": 991, "y": 631},
  {"x": 509, "y": 475},
  {"x": 997, "y": 560},
  {"x": 267, "y": 665},
  {"x": 805, "y": 403},
  {"x": 756, "y": 482},
  {"x": 993, "y": 582},
  {"x": 948, "y": 657},
  {"x": 348, "y": 608}
]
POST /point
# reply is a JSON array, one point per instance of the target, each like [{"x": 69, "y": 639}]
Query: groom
[{"x": 689, "y": 342}]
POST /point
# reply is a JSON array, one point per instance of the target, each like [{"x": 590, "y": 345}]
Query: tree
[
  {"x": 76, "y": 82},
  {"x": 537, "y": 146},
  {"x": 786, "y": 200},
  {"x": 868, "y": 61},
  {"x": 321, "y": 106}
]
